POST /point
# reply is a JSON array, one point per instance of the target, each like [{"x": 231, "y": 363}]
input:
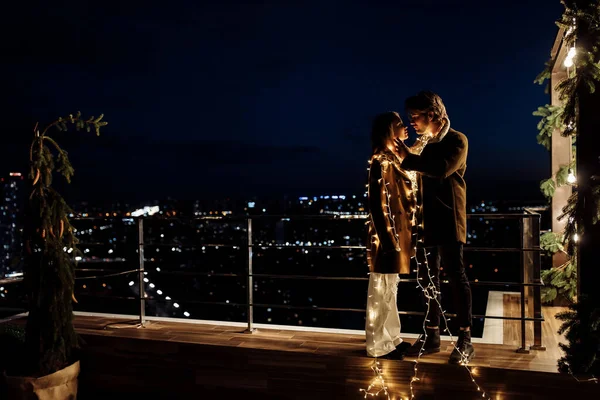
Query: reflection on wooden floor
[{"x": 544, "y": 360}]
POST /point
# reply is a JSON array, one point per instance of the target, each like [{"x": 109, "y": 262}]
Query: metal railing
[{"x": 528, "y": 248}]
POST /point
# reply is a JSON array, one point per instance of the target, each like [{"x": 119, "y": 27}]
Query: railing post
[
  {"x": 142, "y": 286},
  {"x": 523, "y": 348},
  {"x": 250, "y": 290},
  {"x": 536, "y": 279}
]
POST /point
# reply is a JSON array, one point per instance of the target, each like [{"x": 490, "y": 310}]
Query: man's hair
[
  {"x": 427, "y": 101},
  {"x": 383, "y": 129}
]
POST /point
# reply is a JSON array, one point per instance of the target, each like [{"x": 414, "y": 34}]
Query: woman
[{"x": 392, "y": 207}]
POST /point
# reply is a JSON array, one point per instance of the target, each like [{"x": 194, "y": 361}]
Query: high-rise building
[{"x": 11, "y": 207}]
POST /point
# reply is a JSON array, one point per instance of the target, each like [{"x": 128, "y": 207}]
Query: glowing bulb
[
  {"x": 571, "y": 178},
  {"x": 568, "y": 62},
  {"x": 575, "y": 238}
]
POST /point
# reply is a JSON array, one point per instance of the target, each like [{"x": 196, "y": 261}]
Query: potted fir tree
[{"x": 49, "y": 367}]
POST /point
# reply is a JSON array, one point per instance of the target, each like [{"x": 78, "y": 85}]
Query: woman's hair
[
  {"x": 427, "y": 101},
  {"x": 383, "y": 129}
]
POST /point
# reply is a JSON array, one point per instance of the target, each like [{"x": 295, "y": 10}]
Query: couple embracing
[{"x": 417, "y": 206}]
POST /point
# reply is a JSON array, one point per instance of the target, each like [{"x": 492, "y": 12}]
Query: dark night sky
[{"x": 236, "y": 99}]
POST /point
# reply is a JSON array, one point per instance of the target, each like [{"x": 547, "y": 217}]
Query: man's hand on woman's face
[{"x": 401, "y": 148}]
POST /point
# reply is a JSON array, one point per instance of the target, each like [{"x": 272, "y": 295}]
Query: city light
[{"x": 148, "y": 210}]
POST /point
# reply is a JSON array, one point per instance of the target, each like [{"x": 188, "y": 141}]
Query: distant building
[{"x": 11, "y": 206}]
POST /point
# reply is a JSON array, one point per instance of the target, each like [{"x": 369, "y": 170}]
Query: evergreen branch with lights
[
  {"x": 551, "y": 120},
  {"x": 582, "y": 322},
  {"x": 582, "y": 80},
  {"x": 564, "y": 176},
  {"x": 50, "y": 247}
]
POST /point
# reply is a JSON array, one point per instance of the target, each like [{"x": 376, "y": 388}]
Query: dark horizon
[
  {"x": 490, "y": 191},
  {"x": 485, "y": 190}
]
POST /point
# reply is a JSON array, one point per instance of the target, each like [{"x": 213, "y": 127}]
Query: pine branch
[
  {"x": 548, "y": 187},
  {"x": 551, "y": 243},
  {"x": 572, "y": 212},
  {"x": 551, "y": 120},
  {"x": 546, "y": 74},
  {"x": 581, "y": 326},
  {"x": 562, "y": 174},
  {"x": 561, "y": 281}
]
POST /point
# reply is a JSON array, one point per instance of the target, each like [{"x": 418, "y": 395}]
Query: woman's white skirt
[{"x": 383, "y": 323}]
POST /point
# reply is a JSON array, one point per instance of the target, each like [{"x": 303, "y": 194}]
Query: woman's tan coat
[{"x": 392, "y": 207}]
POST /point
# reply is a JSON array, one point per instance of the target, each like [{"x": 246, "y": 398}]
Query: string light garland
[
  {"x": 160, "y": 292},
  {"x": 580, "y": 24},
  {"x": 430, "y": 291},
  {"x": 378, "y": 385},
  {"x": 577, "y": 22},
  {"x": 385, "y": 162}
]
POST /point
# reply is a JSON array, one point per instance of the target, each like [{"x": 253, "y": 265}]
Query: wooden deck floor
[
  {"x": 172, "y": 360},
  {"x": 488, "y": 355},
  {"x": 278, "y": 363},
  {"x": 543, "y": 360}
]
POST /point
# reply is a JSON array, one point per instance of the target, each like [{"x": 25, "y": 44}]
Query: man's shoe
[
  {"x": 432, "y": 344},
  {"x": 463, "y": 351}
]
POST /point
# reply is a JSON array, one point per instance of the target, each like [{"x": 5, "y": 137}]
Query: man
[{"x": 441, "y": 165}]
